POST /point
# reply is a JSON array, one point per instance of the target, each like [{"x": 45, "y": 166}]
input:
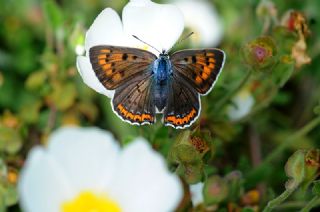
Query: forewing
[
  {"x": 133, "y": 101},
  {"x": 183, "y": 105},
  {"x": 116, "y": 65},
  {"x": 200, "y": 68}
]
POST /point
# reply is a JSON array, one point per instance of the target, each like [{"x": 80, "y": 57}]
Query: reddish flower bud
[{"x": 260, "y": 53}]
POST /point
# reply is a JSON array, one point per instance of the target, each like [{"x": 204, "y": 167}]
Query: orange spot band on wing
[
  {"x": 181, "y": 121},
  {"x": 105, "y": 51},
  {"x": 117, "y": 77},
  {"x": 117, "y": 57},
  {"x": 209, "y": 54},
  {"x": 204, "y": 76},
  {"x": 102, "y": 62},
  {"x": 106, "y": 66},
  {"x": 109, "y": 72},
  {"x": 211, "y": 65},
  {"x": 207, "y": 70},
  {"x": 212, "y": 60},
  {"x": 199, "y": 80},
  {"x": 102, "y": 56},
  {"x": 134, "y": 117}
]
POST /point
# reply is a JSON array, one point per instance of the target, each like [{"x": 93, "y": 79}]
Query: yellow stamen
[{"x": 89, "y": 202}]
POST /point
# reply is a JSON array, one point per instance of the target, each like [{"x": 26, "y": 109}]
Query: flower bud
[
  {"x": 303, "y": 167},
  {"x": 266, "y": 9},
  {"x": 295, "y": 21},
  {"x": 295, "y": 169},
  {"x": 312, "y": 165},
  {"x": 200, "y": 144},
  {"x": 251, "y": 198},
  {"x": 261, "y": 53},
  {"x": 215, "y": 190},
  {"x": 191, "y": 173},
  {"x": 235, "y": 185},
  {"x": 188, "y": 159}
]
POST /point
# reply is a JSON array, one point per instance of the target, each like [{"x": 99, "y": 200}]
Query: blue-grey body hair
[{"x": 162, "y": 70}]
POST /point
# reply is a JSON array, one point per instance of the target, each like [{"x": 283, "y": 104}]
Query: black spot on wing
[
  {"x": 194, "y": 59},
  {"x": 124, "y": 56}
]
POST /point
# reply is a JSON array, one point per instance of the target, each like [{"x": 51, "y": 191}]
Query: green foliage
[{"x": 273, "y": 55}]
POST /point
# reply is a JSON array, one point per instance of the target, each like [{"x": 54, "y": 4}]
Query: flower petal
[
  {"x": 196, "y": 193},
  {"x": 242, "y": 105},
  {"x": 42, "y": 186},
  {"x": 148, "y": 185},
  {"x": 86, "y": 155},
  {"x": 106, "y": 29},
  {"x": 207, "y": 26},
  {"x": 89, "y": 77},
  {"x": 160, "y": 25}
]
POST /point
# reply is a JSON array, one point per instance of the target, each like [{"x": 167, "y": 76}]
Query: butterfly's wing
[
  {"x": 194, "y": 72},
  {"x": 128, "y": 71},
  {"x": 116, "y": 65},
  {"x": 200, "y": 68},
  {"x": 133, "y": 101},
  {"x": 183, "y": 103}
]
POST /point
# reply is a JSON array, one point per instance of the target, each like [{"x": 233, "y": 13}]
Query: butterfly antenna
[
  {"x": 181, "y": 40},
  {"x": 146, "y": 43}
]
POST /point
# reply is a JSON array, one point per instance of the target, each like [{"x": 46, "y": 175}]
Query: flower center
[{"x": 89, "y": 202}]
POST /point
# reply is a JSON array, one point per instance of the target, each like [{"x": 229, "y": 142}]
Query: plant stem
[
  {"x": 291, "y": 205},
  {"x": 286, "y": 143},
  {"x": 278, "y": 200},
  {"x": 233, "y": 91},
  {"x": 311, "y": 204}
]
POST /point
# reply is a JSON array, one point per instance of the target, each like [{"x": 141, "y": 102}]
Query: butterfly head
[{"x": 164, "y": 54}]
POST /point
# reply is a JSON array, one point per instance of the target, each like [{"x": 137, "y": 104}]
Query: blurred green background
[{"x": 41, "y": 90}]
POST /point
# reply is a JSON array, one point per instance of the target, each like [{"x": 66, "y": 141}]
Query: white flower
[
  {"x": 160, "y": 25},
  {"x": 84, "y": 170},
  {"x": 196, "y": 191},
  {"x": 242, "y": 104},
  {"x": 202, "y": 18}
]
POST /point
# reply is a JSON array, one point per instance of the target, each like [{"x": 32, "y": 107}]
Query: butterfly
[{"x": 145, "y": 84}]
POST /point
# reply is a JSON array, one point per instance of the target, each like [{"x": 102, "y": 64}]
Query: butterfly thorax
[{"x": 162, "y": 70}]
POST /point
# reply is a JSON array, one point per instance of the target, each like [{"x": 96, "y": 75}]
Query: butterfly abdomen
[{"x": 161, "y": 70}]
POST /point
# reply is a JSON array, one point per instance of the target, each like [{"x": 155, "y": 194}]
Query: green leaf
[
  {"x": 316, "y": 188},
  {"x": 317, "y": 110},
  {"x": 283, "y": 70},
  {"x": 64, "y": 96},
  {"x": 10, "y": 140},
  {"x": 247, "y": 210},
  {"x": 11, "y": 195},
  {"x": 285, "y": 39},
  {"x": 36, "y": 80},
  {"x": 53, "y": 14},
  {"x": 29, "y": 113}
]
